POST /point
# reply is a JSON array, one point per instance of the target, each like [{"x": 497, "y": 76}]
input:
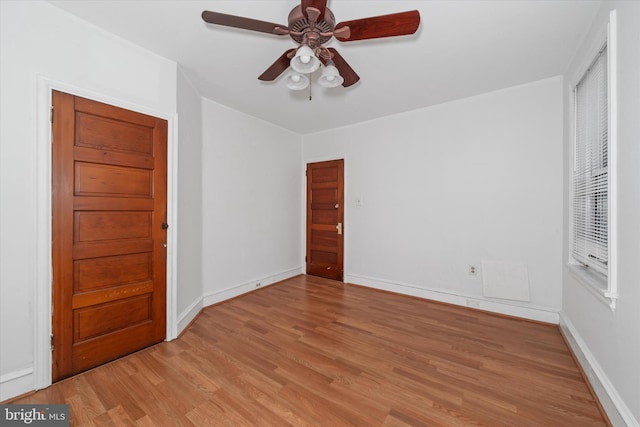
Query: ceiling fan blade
[
  {"x": 321, "y": 5},
  {"x": 350, "y": 77},
  {"x": 277, "y": 67},
  {"x": 243, "y": 23},
  {"x": 395, "y": 24}
]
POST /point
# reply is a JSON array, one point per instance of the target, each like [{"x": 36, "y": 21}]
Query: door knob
[{"x": 165, "y": 225}]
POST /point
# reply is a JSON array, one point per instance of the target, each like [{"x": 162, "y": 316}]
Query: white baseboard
[
  {"x": 187, "y": 316},
  {"x": 16, "y": 383},
  {"x": 618, "y": 412},
  {"x": 233, "y": 291},
  {"x": 541, "y": 314}
]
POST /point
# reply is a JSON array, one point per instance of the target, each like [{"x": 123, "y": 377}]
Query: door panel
[
  {"x": 96, "y": 320},
  {"x": 109, "y": 246},
  {"x": 99, "y": 226},
  {"x": 114, "y": 135},
  {"x": 325, "y": 219},
  {"x": 105, "y": 272},
  {"x": 120, "y": 181}
]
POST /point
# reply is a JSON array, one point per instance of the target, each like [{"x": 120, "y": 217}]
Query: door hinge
[
  {"x": 305, "y": 259},
  {"x": 51, "y": 342},
  {"x": 51, "y": 117}
]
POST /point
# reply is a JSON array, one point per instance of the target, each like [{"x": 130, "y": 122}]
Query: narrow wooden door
[
  {"x": 109, "y": 234},
  {"x": 325, "y": 219}
]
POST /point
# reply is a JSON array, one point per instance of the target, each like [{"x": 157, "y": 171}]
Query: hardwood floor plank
[
  {"x": 268, "y": 397},
  {"x": 314, "y": 352},
  {"x": 120, "y": 417}
]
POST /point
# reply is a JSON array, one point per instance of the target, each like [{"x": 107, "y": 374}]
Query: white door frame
[{"x": 43, "y": 287}]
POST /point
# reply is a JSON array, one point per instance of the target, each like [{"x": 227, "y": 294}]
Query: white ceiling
[{"x": 462, "y": 48}]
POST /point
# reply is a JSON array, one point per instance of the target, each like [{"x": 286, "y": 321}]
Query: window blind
[{"x": 590, "y": 176}]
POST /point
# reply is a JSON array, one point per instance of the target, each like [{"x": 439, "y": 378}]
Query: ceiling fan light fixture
[
  {"x": 330, "y": 76},
  {"x": 305, "y": 60},
  {"x": 296, "y": 81}
]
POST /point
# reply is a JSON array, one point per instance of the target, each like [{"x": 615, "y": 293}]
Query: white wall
[
  {"x": 38, "y": 39},
  {"x": 189, "y": 274},
  {"x": 452, "y": 185},
  {"x": 608, "y": 342},
  {"x": 251, "y": 202},
  {"x": 441, "y": 188}
]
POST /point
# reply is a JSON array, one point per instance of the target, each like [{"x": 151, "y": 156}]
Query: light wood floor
[{"x": 312, "y": 352}]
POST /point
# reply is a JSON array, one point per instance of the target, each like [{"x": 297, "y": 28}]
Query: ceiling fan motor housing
[{"x": 299, "y": 23}]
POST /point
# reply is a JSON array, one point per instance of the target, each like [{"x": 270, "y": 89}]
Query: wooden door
[
  {"x": 109, "y": 238},
  {"x": 325, "y": 219}
]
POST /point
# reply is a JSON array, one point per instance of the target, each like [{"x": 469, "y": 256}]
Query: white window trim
[{"x": 605, "y": 288}]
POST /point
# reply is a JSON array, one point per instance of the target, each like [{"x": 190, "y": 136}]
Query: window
[
  {"x": 593, "y": 232},
  {"x": 591, "y": 167}
]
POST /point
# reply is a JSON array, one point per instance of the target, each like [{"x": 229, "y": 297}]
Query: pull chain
[{"x": 310, "y": 81}]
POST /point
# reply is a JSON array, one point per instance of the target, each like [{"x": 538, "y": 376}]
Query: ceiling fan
[{"x": 310, "y": 25}]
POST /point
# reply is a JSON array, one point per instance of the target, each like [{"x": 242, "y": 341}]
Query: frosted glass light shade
[
  {"x": 305, "y": 61},
  {"x": 330, "y": 76},
  {"x": 296, "y": 81}
]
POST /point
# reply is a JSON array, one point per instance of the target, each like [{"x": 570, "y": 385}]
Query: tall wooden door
[
  {"x": 109, "y": 233},
  {"x": 325, "y": 219}
]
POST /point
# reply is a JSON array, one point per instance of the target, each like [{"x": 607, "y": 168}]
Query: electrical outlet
[
  {"x": 258, "y": 284},
  {"x": 473, "y": 270}
]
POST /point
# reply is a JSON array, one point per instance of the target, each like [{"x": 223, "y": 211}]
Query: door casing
[{"x": 42, "y": 358}]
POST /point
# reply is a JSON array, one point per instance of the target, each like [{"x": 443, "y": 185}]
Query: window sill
[{"x": 595, "y": 283}]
